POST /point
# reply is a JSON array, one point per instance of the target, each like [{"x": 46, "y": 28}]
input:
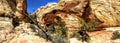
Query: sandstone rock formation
[
  {"x": 12, "y": 27},
  {"x": 21, "y": 10},
  {"x": 7, "y": 7},
  {"x": 102, "y": 14},
  {"x": 107, "y": 11},
  {"x": 101, "y": 37},
  {"x": 69, "y": 11},
  {"x": 105, "y": 36},
  {"x": 5, "y": 28},
  {"x": 24, "y": 33},
  {"x": 14, "y": 9}
]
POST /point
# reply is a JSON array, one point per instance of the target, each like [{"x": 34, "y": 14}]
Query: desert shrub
[
  {"x": 58, "y": 39},
  {"x": 61, "y": 29},
  {"x": 59, "y": 33},
  {"x": 86, "y": 27}
]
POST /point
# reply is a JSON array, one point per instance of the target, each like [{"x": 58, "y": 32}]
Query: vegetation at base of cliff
[
  {"x": 61, "y": 29},
  {"x": 82, "y": 33},
  {"x": 86, "y": 27},
  {"x": 59, "y": 33}
]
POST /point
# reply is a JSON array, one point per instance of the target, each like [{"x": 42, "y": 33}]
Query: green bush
[
  {"x": 87, "y": 26},
  {"x": 59, "y": 34},
  {"x": 61, "y": 29}
]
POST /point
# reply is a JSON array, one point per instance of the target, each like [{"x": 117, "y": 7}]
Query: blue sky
[{"x": 33, "y": 5}]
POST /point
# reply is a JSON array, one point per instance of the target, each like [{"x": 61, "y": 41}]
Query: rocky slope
[
  {"x": 68, "y": 21},
  {"x": 15, "y": 26}
]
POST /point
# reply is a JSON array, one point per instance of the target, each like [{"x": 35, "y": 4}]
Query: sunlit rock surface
[
  {"x": 5, "y": 29},
  {"x": 69, "y": 11},
  {"x": 26, "y": 33},
  {"x": 107, "y": 11},
  {"x": 103, "y": 13},
  {"x": 105, "y": 37},
  {"x": 13, "y": 26},
  {"x": 7, "y": 7},
  {"x": 14, "y": 9}
]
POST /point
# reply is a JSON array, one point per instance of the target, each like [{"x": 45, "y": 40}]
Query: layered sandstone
[
  {"x": 69, "y": 11},
  {"x": 103, "y": 13},
  {"x": 106, "y": 11}
]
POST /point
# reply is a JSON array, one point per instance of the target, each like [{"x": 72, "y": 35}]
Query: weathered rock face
[
  {"x": 105, "y": 36},
  {"x": 27, "y": 33},
  {"x": 21, "y": 9},
  {"x": 24, "y": 33},
  {"x": 107, "y": 11},
  {"x": 69, "y": 11},
  {"x": 23, "y": 38},
  {"x": 12, "y": 11},
  {"x": 7, "y": 7},
  {"x": 14, "y": 8},
  {"x": 5, "y": 29},
  {"x": 73, "y": 5},
  {"x": 111, "y": 35},
  {"x": 43, "y": 10},
  {"x": 76, "y": 8}
]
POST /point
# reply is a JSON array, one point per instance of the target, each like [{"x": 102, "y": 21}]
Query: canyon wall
[{"x": 77, "y": 16}]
